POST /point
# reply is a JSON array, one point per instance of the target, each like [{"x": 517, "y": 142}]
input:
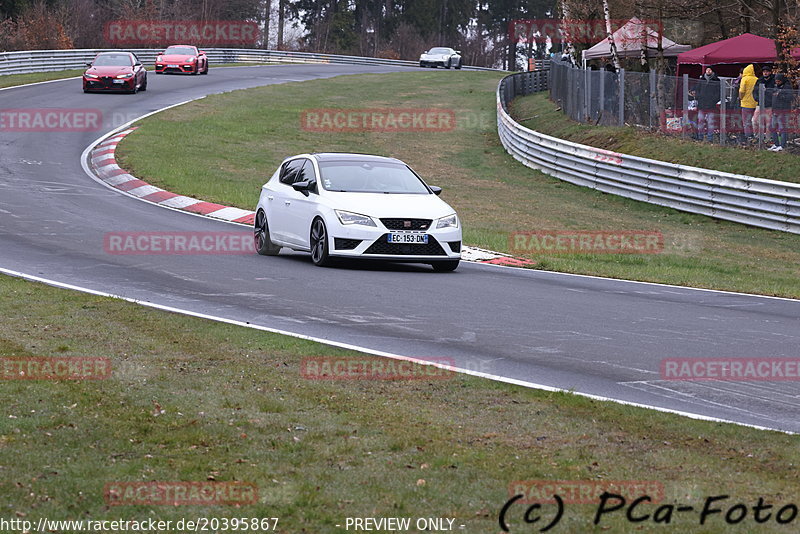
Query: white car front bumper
[{"x": 370, "y": 242}]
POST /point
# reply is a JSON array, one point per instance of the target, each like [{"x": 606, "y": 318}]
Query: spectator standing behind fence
[
  {"x": 736, "y": 81},
  {"x": 782, "y": 97},
  {"x": 746, "y": 100},
  {"x": 764, "y": 119},
  {"x": 692, "y": 114},
  {"x": 707, "y": 98},
  {"x": 734, "y": 118}
]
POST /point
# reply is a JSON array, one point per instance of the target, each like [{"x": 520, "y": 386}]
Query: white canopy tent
[{"x": 629, "y": 40}]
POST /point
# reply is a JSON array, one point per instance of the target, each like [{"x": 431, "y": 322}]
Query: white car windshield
[
  {"x": 440, "y": 51},
  {"x": 113, "y": 60},
  {"x": 370, "y": 177},
  {"x": 180, "y": 51}
]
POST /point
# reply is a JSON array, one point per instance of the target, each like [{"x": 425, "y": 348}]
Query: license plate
[
  {"x": 119, "y": 81},
  {"x": 408, "y": 239},
  {"x": 172, "y": 66}
]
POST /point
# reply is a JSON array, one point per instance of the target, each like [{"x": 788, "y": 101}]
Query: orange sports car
[{"x": 182, "y": 59}]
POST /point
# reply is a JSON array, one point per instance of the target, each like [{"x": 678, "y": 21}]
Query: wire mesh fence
[{"x": 705, "y": 110}]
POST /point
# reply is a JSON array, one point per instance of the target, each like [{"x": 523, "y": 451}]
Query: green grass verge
[
  {"x": 236, "y": 408},
  {"x": 11, "y": 80},
  {"x": 239, "y": 138},
  {"x": 544, "y": 116}
]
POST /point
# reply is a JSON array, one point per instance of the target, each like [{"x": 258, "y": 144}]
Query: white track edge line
[
  {"x": 658, "y": 284},
  {"x": 349, "y": 346},
  {"x": 38, "y": 83}
]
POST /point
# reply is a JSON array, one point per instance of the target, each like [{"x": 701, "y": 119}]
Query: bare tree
[
  {"x": 267, "y": 21},
  {"x": 610, "y": 36},
  {"x": 281, "y": 22},
  {"x": 569, "y": 48}
]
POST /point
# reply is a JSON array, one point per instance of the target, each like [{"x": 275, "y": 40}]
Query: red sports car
[
  {"x": 115, "y": 71},
  {"x": 182, "y": 59}
]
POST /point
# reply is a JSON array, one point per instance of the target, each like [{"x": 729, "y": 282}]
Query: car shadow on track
[{"x": 362, "y": 264}]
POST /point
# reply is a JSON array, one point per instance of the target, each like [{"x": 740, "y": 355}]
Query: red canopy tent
[{"x": 728, "y": 55}]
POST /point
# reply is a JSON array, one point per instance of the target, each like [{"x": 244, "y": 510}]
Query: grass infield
[
  {"x": 239, "y": 138},
  {"x": 11, "y": 80},
  {"x": 192, "y": 400}
]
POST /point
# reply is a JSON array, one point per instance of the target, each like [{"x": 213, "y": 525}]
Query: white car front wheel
[{"x": 319, "y": 243}]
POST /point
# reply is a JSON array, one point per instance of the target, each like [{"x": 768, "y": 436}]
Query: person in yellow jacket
[{"x": 746, "y": 100}]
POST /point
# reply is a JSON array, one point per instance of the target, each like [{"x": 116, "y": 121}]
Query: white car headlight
[
  {"x": 348, "y": 217},
  {"x": 451, "y": 221},
  {"x": 125, "y": 75}
]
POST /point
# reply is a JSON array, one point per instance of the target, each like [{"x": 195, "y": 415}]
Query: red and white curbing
[{"x": 105, "y": 167}]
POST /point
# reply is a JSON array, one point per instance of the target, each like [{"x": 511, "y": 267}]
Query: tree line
[
  {"x": 395, "y": 28},
  {"x": 699, "y": 22}
]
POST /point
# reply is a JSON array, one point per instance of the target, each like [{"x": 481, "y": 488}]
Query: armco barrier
[
  {"x": 53, "y": 60},
  {"x": 733, "y": 197}
]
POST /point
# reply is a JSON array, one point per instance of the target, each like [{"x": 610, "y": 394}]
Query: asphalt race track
[{"x": 594, "y": 336}]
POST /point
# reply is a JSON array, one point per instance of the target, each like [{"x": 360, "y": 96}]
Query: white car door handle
[
  {"x": 270, "y": 197},
  {"x": 287, "y": 202}
]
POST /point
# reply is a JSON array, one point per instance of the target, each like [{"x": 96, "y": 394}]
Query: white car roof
[{"x": 346, "y": 156}]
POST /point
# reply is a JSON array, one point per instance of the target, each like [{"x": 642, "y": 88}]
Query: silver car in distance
[
  {"x": 356, "y": 206},
  {"x": 440, "y": 56}
]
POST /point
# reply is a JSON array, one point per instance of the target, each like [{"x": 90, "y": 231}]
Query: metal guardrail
[
  {"x": 733, "y": 197},
  {"x": 29, "y": 61}
]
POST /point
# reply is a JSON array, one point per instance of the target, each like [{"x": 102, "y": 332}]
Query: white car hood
[
  {"x": 435, "y": 56},
  {"x": 380, "y": 205}
]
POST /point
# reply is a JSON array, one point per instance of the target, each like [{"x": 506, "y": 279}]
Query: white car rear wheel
[{"x": 264, "y": 245}]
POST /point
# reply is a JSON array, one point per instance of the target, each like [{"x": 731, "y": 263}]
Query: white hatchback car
[{"x": 356, "y": 206}]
